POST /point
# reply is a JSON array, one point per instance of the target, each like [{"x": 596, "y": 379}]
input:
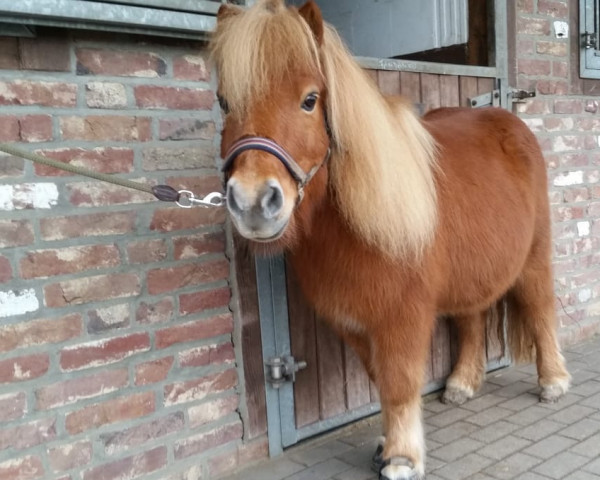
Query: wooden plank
[
  {"x": 441, "y": 357},
  {"x": 430, "y": 91},
  {"x": 303, "y": 345},
  {"x": 254, "y": 372},
  {"x": 389, "y": 82},
  {"x": 356, "y": 380},
  {"x": 331, "y": 372},
  {"x": 485, "y": 85},
  {"x": 373, "y": 74},
  {"x": 410, "y": 86},
  {"x": 449, "y": 91},
  {"x": 468, "y": 89}
]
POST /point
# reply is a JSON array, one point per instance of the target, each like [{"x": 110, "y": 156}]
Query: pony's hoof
[
  {"x": 553, "y": 393},
  {"x": 398, "y": 468},
  {"x": 377, "y": 459},
  {"x": 455, "y": 396}
]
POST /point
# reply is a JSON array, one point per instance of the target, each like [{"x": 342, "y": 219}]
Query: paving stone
[
  {"x": 356, "y": 473},
  {"x": 561, "y": 465},
  {"x": 593, "y": 401},
  {"x": 582, "y": 476},
  {"x": 504, "y": 447},
  {"x": 582, "y": 429},
  {"x": 587, "y": 389},
  {"x": 531, "y": 476},
  {"x": 512, "y": 467},
  {"x": 571, "y": 414},
  {"x": 539, "y": 430},
  {"x": 456, "y": 449},
  {"x": 273, "y": 470},
  {"x": 452, "y": 432},
  {"x": 581, "y": 376},
  {"x": 448, "y": 417},
  {"x": 529, "y": 415},
  {"x": 321, "y": 470},
  {"x": 550, "y": 446},
  {"x": 464, "y": 467},
  {"x": 506, "y": 377},
  {"x": 481, "y": 403},
  {"x": 593, "y": 467},
  {"x": 568, "y": 399},
  {"x": 589, "y": 447},
  {"x": 495, "y": 431},
  {"x": 489, "y": 416},
  {"x": 359, "y": 456},
  {"x": 521, "y": 402},
  {"x": 518, "y": 388},
  {"x": 320, "y": 453}
]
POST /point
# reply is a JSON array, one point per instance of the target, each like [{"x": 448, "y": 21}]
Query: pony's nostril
[
  {"x": 272, "y": 201},
  {"x": 233, "y": 200}
]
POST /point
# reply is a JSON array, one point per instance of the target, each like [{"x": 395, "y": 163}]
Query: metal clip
[{"x": 187, "y": 199}]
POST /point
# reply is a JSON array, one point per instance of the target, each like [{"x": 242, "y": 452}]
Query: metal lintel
[
  {"x": 200, "y": 6},
  {"x": 106, "y": 16},
  {"x": 425, "y": 67}
]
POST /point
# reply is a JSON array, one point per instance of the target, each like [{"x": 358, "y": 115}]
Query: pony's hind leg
[
  {"x": 467, "y": 374},
  {"x": 532, "y": 327}
]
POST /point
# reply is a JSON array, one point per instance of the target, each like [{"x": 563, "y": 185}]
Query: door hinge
[
  {"x": 283, "y": 369},
  {"x": 589, "y": 40},
  {"x": 490, "y": 99}
]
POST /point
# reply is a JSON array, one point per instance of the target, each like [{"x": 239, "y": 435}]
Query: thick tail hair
[{"x": 518, "y": 334}]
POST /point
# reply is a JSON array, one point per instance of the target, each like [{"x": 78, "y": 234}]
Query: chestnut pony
[{"x": 388, "y": 220}]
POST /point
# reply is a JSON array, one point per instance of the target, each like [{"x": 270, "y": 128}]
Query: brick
[
  {"x": 191, "y": 67},
  {"x": 110, "y": 412},
  {"x": 207, "y": 355},
  {"x": 130, "y": 467},
  {"x": 163, "y": 280},
  {"x": 121, "y": 63},
  {"x": 40, "y": 332},
  {"x": 90, "y": 289},
  {"x": 534, "y": 106},
  {"x": 28, "y": 435},
  {"x": 122, "y": 440},
  {"x": 158, "y": 312},
  {"x": 100, "y": 194},
  {"x": 534, "y": 67},
  {"x": 72, "y": 455},
  {"x": 199, "y": 185},
  {"x": 552, "y": 87},
  {"x": 222, "y": 463},
  {"x": 24, "y": 368},
  {"x": 26, "y": 468},
  {"x": 106, "y": 128},
  {"x": 73, "y": 390},
  {"x": 92, "y": 225},
  {"x": 108, "y": 318},
  {"x": 100, "y": 159},
  {"x": 44, "y": 94},
  {"x": 195, "y": 246},
  {"x": 18, "y": 302},
  {"x": 560, "y": 69},
  {"x": 9, "y": 53},
  {"x": 5, "y": 271},
  {"x": 194, "y": 331},
  {"x": 28, "y": 196},
  {"x": 103, "y": 352},
  {"x": 201, "y": 442},
  {"x": 173, "y": 98},
  {"x": 13, "y": 406},
  {"x": 557, "y": 49},
  {"x": 533, "y": 26},
  {"x": 10, "y": 166},
  {"x": 36, "y": 128},
  {"x": 47, "y": 263},
  {"x": 198, "y": 389},
  {"x": 9, "y": 129},
  {"x": 209, "y": 412},
  {"x": 251, "y": 451},
  {"x": 15, "y": 233},
  {"x": 553, "y": 9},
  {"x": 565, "y": 143},
  {"x": 105, "y": 95},
  {"x": 525, "y": 6},
  {"x": 206, "y": 300},
  {"x": 180, "y": 158},
  {"x": 153, "y": 371},
  {"x": 186, "y": 129},
  {"x": 568, "y": 106},
  {"x": 171, "y": 219},
  {"x": 147, "y": 251},
  {"x": 48, "y": 53}
]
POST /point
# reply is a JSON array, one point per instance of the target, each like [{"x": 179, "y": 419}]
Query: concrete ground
[{"x": 503, "y": 433}]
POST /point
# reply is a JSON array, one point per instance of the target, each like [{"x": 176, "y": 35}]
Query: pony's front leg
[{"x": 399, "y": 354}]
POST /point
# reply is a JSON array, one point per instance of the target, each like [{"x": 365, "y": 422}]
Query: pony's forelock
[{"x": 259, "y": 48}]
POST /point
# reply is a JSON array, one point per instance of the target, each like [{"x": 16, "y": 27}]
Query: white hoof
[{"x": 398, "y": 468}]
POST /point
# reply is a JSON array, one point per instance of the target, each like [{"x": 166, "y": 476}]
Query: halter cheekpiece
[{"x": 270, "y": 146}]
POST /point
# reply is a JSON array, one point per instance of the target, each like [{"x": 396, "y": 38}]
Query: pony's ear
[
  {"x": 312, "y": 15},
  {"x": 226, "y": 11}
]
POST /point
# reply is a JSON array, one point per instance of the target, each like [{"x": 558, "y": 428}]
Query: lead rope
[{"x": 164, "y": 193}]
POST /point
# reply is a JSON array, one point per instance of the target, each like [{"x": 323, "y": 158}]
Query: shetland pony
[{"x": 389, "y": 220}]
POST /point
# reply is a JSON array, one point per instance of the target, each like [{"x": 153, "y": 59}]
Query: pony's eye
[
  {"x": 223, "y": 104},
  {"x": 310, "y": 102}
]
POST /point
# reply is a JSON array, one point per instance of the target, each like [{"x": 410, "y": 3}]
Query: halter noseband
[{"x": 270, "y": 146}]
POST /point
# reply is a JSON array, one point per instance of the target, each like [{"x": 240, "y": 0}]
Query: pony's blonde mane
[{"x": 382, "y": 167}]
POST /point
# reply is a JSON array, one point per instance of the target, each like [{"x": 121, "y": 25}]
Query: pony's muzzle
[{"x": 257, "y": 213}]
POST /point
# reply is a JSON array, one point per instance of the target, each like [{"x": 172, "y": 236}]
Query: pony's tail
[{"x": 518, "y": 334}]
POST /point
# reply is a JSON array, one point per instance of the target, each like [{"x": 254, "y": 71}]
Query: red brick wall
[
  {"x": 117, "y": 357},
  {"x": 565, "y": 118}
]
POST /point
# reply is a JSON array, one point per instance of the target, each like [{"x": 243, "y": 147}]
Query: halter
[{"x": 270, "y": 146}]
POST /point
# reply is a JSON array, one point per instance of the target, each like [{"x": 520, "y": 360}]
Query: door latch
[
  {"x": 283, "y": 369},
  {"x": 589, "y": 39}
]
